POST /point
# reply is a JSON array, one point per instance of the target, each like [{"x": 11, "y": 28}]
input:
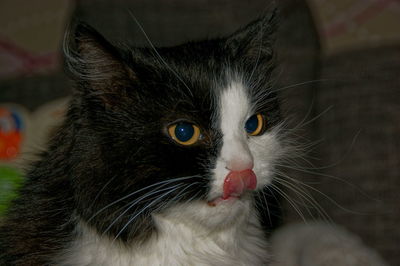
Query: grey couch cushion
[{"x": 365, "y": 99}]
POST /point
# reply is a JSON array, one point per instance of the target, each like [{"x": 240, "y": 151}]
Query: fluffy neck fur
[{"x": 178, "y": 241}]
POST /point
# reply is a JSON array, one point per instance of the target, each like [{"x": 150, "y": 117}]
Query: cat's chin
[
  {"x": 220, "y": 200},
  {"x": 222, "y": 214}
]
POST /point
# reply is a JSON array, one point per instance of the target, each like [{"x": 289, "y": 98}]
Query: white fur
[
  {"x": 180, "y": 241},
  {"x": 195, "y": 233},
  {"x": 239, "y": 150}
]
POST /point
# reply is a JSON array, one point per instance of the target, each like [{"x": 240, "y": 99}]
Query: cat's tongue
[{"x": 237, "y": 182}]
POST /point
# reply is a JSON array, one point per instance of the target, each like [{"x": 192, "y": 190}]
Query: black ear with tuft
[
  {"x": 255, "y": 41},
  {"x": 94, "y": 63}
]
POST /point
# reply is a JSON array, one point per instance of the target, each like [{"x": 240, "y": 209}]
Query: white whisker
[
  {"x": 302, "y": 83},
  {"x": 285, "y": 196},
  {"x": 138, "y": 200},
  {"x": 140, "y": 190},
  {"x": 157, "y": 53},
  {"x": 143, "y": 209},
  {"x": 303, "y": 195}
]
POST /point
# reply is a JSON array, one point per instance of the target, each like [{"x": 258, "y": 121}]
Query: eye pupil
[
  {"x": 184, "y": 131},
  {"x": 251, "y": 124}
]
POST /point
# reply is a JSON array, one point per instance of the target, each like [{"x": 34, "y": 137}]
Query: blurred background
[{"x": 339, "y": 70}]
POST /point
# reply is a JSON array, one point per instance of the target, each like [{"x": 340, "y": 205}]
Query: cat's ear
[
  {"x": 95, "y": 63},
  {"x": 255, "y": 41}
]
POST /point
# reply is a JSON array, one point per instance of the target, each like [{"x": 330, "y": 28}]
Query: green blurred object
[{"x": 10, "y": 180}]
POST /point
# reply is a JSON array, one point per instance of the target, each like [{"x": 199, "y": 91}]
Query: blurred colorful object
[
  {"x": 10, "y": 180},
  {"x": 10, "y": 134},
  {"x": 15, "y": 135},
  {"x": 19, "y": 144},
  {"x": 14, "y": 121}
]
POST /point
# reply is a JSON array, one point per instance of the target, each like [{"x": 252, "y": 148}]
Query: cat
[{"x": 161, "y": 158}]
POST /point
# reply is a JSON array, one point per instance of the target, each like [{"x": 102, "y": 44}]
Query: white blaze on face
[
  {"x": 239, "y": 151},
  {"x": 234, "y": 111}
]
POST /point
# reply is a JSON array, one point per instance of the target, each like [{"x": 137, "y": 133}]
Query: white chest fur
[{"x": 177, "y": 243}]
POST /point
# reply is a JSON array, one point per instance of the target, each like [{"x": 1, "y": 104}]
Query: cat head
[{"x": 190, "y": 131}]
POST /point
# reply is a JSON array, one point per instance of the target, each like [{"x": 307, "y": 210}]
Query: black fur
[{"x": 114, "y": 141}]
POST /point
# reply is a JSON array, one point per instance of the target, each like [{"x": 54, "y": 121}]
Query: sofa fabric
[{"x": 361, "y": 138}]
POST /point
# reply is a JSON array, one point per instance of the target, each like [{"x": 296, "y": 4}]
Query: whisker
[
  {"x": 193, "y": 197},
  {"x": 305, "y": 195},
  {"x": 140, "y": 190},
  {"x": 157, "y": 53},
  {"x": 178, "y": 196},
  {"x": 330, "y": 199},
  {"x": 134, "y": 202},
  {"x": 181, "y": 194},
  {"x": 259, "y": 52},
  {"x": 275, "y": 198},
  {"x": 143, "y": 209},
  {"x": 340, "y": 159},
  {"x": 101, "y": 190},
  {"x": 193, "y": 183},
  {"x": 302, "y": 83},
  {"x": 302, "y": 125},
  {"x": 317, "y": 116},
  {"x": 267, "y": 208},
  {"x": 329, "y": 176},
  {"x": 309, "y": 111},
  {"x": 285, "y": 196}
]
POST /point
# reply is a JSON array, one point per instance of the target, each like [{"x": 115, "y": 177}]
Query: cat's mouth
[
  {"x": 218, "y": 200},
  {"x": 235, "y": 185}
]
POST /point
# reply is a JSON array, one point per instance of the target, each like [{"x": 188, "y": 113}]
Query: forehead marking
[{"x": 234, "y": 109}]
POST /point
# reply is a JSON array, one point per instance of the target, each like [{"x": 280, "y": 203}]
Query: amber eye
[
  {"x": 255, "y": 125},
  {"x": 184, "y": 133}
]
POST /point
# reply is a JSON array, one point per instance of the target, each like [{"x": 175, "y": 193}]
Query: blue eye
[
  {"x": 184, "y": 133},
  {"x": 254, "y": 125}
]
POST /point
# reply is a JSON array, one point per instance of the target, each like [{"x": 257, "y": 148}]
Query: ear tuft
[
  {"x": 88, "y": 55},
  {"x": 256, "y": 39},
  {"x": 94, "y": 62}
]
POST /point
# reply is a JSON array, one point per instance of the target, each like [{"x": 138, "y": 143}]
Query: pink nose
[{"x": 236, "y": 182}]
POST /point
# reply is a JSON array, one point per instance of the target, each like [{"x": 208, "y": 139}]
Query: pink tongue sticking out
[{"x": 237, "y": 182}]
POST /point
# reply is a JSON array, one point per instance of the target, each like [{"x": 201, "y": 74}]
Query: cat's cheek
[
  {"x": 266, "y": 151},
  {"x": 217, "y": 182},
  {"x": 265, "y": 178}
]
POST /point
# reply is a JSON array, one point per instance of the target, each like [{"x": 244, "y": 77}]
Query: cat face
[{"x": 190, "y": 131}]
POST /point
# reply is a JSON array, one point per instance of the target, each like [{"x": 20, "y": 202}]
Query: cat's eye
[
  {"x": 255, "y": 125},
  {"x": 184, "y": 133}
]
